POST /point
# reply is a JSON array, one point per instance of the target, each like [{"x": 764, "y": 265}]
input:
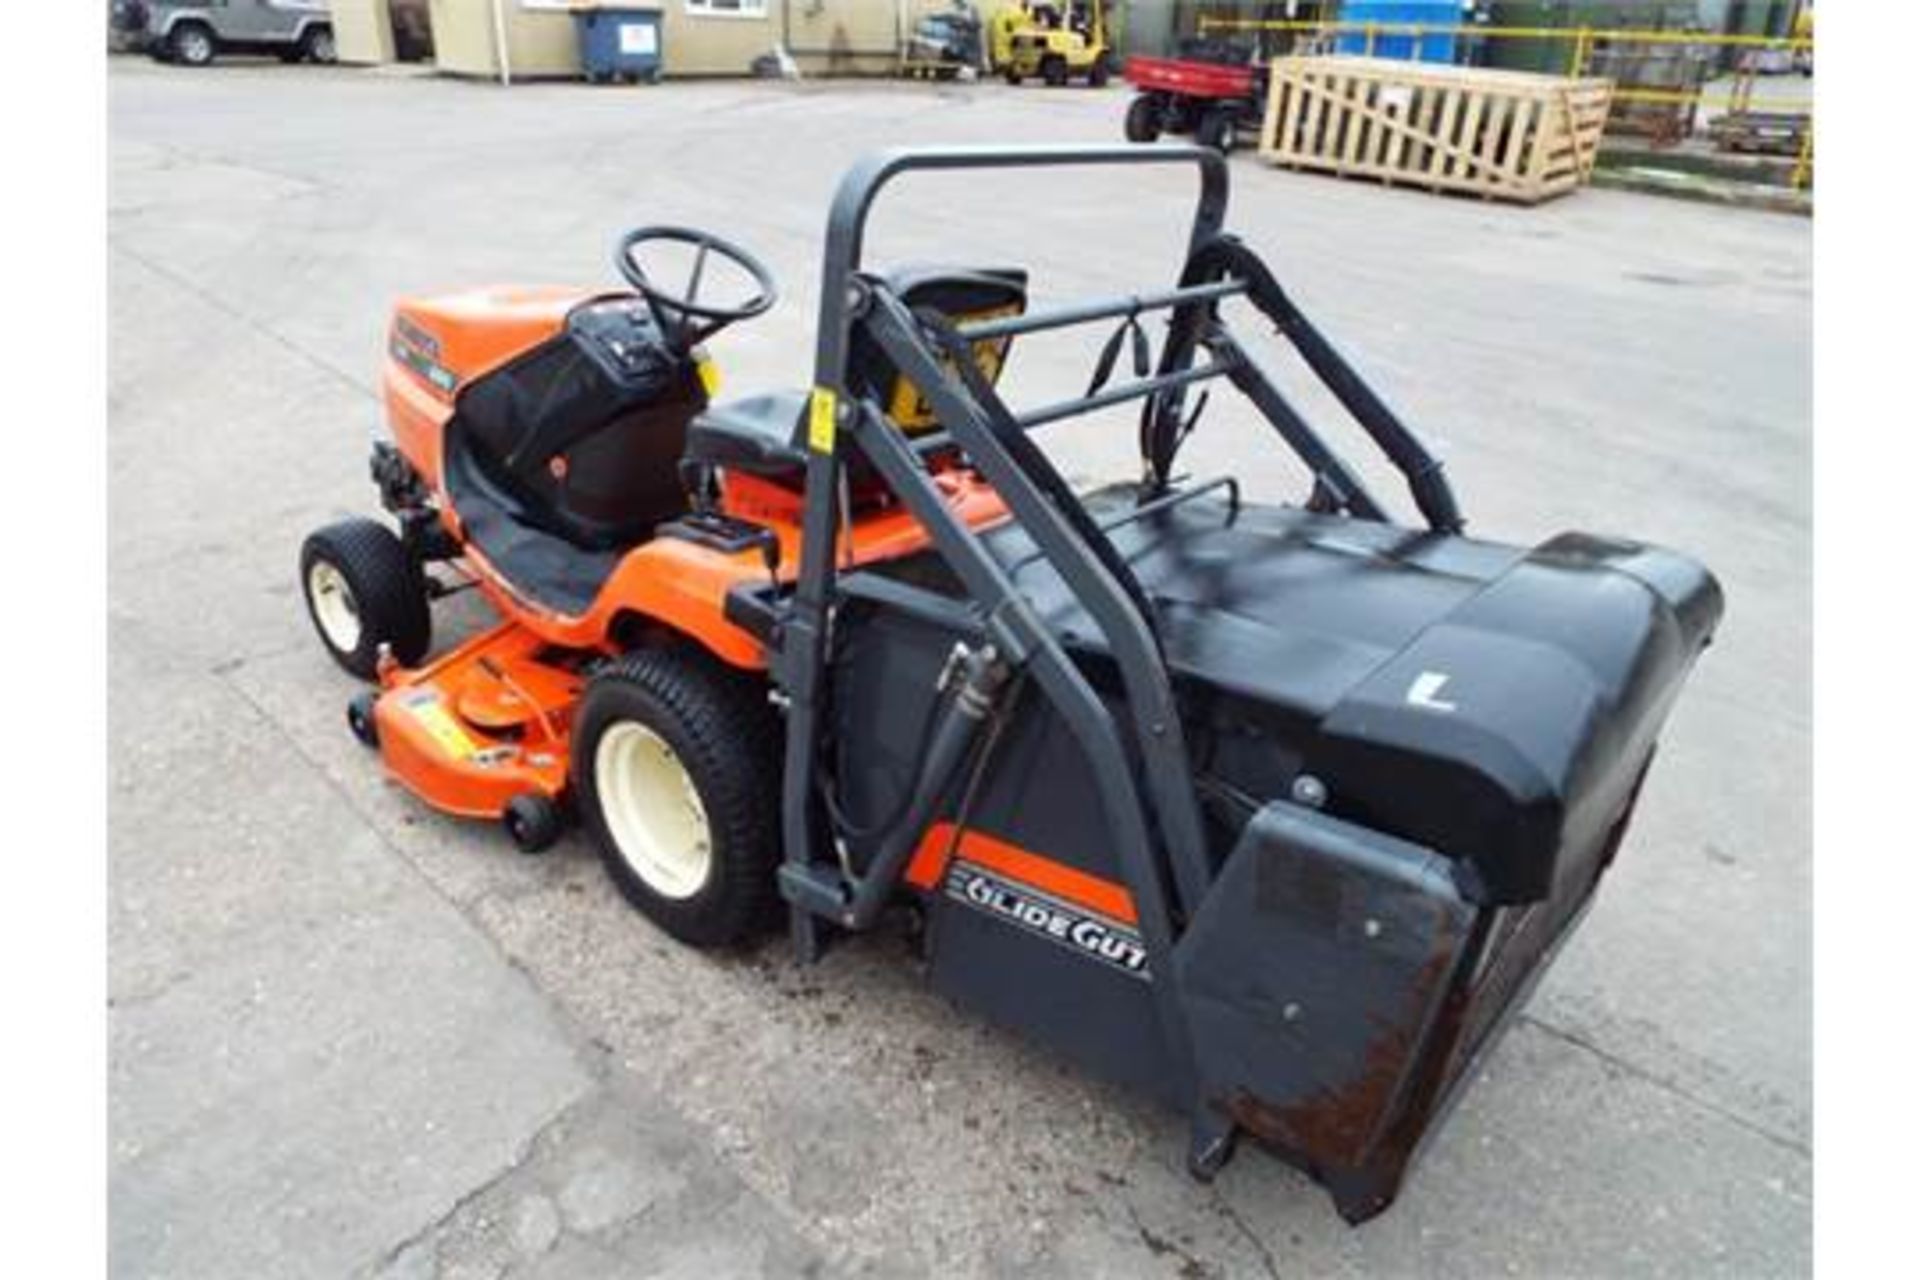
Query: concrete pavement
[{"x": 351, "y": 1037}]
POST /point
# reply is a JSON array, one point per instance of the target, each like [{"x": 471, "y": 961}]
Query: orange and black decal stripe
[{"x": 1068, "y": 884}]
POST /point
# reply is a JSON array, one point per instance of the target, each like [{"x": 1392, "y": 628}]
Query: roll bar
[{"x": 853, "y": 201}]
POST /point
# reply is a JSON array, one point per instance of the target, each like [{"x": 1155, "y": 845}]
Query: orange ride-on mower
[{"x": 1274, "y": 812}]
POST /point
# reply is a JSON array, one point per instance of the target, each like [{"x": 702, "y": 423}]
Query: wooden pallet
[{"x": 1508, "y": 135}]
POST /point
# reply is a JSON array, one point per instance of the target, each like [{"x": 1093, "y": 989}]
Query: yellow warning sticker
[
  {"x": 443, "y": 728},
  {"x": 709, "y": 375},
  {"x": 820, "y": 420}
]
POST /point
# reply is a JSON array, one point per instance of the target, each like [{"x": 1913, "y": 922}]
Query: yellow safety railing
[{"x": 1581, "y": 41}]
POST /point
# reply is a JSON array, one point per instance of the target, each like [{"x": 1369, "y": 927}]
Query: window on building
[{"x": 727, "y": 8}]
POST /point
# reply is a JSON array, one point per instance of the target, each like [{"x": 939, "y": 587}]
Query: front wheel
[
  {"x": 317, "y": 45},
  {"x": 362, "y": 591},
  {"x": 676, "y": 764},
  {"x": 1143, "y": 119},
  {"x": 1054, "y": 72}
]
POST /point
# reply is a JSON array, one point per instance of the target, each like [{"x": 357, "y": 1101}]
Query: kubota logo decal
[{"x": 1097, "y": 938}]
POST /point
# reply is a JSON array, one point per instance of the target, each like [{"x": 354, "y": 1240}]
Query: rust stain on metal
[{"x": 1337, "y": 1123}]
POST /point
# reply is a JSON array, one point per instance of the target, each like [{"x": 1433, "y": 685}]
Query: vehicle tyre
[
  {"x": 190, "y": 43},
  {"x": 676, "y": 767},
  {"x": 290, "y": 54},
  {"x": 1219, "y": 130},
  {"x": 317, "y": 45},
  {"x": 1013, "y": 77},
  {"x": 1054, "y": 72},
  {"x": 533, "y": 822},
  {"x": 1143, "y": 119},
  {"x": 362, "y": 591},
  {"x": 1099, "y": 72},
  {"x": 360, "y": 719}
]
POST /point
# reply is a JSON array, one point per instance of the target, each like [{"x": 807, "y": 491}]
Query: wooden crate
[{"x": 1509, "y": 135}]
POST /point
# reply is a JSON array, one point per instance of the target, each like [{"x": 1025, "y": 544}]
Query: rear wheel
[
  {"x": 1143, "y": 119},
  {"x": 362, "y": 591},
  {"x": 1097, "y": 74},
  {"x": 191, "y": 43},
  {"x": 1013, "y": 77},
  {"x": 676, "y": 764}
]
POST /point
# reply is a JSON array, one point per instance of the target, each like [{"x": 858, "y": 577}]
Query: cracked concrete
[{"x": 352, "y": 1037}]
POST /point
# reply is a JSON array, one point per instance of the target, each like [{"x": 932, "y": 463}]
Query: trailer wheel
[
  {"x": 1143, "y": 119},
  {"x": 1219, "y": 130},
  {"x": 362, "y": 591},
  {"x": 676, "y": 763}
]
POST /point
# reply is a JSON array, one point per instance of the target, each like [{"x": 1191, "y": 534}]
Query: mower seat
[
  {"x": 764, "y": 435},
  {"x": 755, "y": 434}
]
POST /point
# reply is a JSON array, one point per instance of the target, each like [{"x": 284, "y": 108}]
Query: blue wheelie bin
[{"x": 619, "y": 43}]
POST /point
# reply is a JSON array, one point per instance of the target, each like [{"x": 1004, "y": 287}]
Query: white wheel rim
[
  {"x": 323, "y": 48},
  {"x": 653, "y": 813},
  {"x": 334, "y": 606},
  {"x": 194, "y": 46}
]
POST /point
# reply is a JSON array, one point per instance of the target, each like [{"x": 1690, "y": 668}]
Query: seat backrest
[{"x": 585, "y": 444}]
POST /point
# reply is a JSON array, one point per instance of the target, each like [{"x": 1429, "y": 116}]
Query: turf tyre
[
  {"x": 718, "y": 729},
  {"x": 386, "y": 595}
]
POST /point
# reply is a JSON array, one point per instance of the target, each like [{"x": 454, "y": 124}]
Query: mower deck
[{"x": 486, "y": 723}]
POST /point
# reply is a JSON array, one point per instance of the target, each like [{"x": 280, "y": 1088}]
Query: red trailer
[{"x": 1216, "y": 101}]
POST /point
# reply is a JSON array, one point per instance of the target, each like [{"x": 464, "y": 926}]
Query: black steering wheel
[{"x": 683, "y": 316}]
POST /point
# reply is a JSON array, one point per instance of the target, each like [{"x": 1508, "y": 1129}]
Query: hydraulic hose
[{"x": 978, "y": 677}]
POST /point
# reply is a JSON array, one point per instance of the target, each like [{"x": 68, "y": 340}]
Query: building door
[{"x": 412, "y": 30}]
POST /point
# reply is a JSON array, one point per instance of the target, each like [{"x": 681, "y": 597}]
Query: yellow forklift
[{"x": 1058, "y": 41}]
